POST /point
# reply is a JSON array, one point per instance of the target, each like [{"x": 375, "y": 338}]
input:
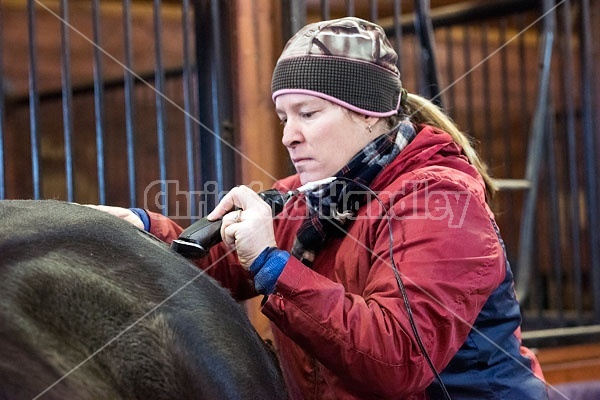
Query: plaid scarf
[{"x": 331, "y": 206}]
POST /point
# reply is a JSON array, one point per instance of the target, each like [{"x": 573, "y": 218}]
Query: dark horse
[{"x": 92, "y": 308}]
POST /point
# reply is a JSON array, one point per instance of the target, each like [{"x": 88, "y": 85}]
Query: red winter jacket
[{"x": 341, "y": 327}]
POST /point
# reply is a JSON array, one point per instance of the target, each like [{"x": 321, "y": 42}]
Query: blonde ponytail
[{"x": 422, "y": 111}]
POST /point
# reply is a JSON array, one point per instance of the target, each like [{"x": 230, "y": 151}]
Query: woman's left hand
[
  {"x": 247, "y": 229},
  {"x": 120, "y": 212}
]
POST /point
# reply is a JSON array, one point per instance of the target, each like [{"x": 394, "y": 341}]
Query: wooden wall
[{"x": 570, "y": 363}]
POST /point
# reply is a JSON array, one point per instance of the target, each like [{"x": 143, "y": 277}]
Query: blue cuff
[
  {"x": 267, "y": 267},
  {"x": 143, "y": 215}
]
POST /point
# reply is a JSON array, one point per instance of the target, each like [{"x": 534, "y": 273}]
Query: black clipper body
[{"x": 198, "y": 238}]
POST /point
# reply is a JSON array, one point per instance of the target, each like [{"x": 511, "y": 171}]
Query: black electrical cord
[{"x": 400, "y": 283}]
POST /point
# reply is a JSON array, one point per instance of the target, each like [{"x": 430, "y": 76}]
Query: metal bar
[
  {"x": 2, "y": 114},
  {"x": 216, "y": 81},
  {"x": 534, "y": 156},
  {"x": 98, "y": 101},
  {"x": 512, "y": 184},
  {"x": 160, "y": 106},
  {"x": 294, "y": 17},
  {"x": 88, "y": 88},
  {"x": 523, "y": 74},
  {"x": 325, "y": 10},
  {"x": 424, "y": 31},
  {"x": 555, "y": 248},
  {"x": 67, "y": 98},
  {"x": 398, "y": 31},
  {"x": 589, "y": 153},
  {"x": 561, "y": 336},
  {"x": 373, "y": 11},
  {"x": 189, "y": 127},
  {"x": 536, "y": 298},
  {"x": 204, "y": 76},
  {"x": 464, "y": 12},
  {"x": 350, "y": 8},
  {"x": 571, "y": 151},
  {"x": 207, "y": 25},
  {"x": 128, "y": 87},
  {"x": 34, "y": 102},
  {"x": 468, "y": 79},
  {"x": 451, "y": 91},
  {"x": 479, "y": 10},
  {"x": 222, "y": 45},
  {"x": 505, "y": 100},
  {"x": 487, "y": 93}
]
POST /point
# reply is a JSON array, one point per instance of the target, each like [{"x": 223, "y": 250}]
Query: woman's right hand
[
  {"x": 120, "y": 212},
  {"x": 249, "y": 228}
]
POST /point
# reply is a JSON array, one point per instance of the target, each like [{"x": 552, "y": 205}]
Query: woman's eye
[
  {"x": 282, "y": 121},
  {"x": 307, "y": 114}
]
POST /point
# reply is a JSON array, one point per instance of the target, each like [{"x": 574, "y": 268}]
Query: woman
[{"x": 395, "y": 271}]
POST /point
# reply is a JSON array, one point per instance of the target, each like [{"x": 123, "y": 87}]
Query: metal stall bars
[
  {"x": 191, "y": 128},
  {"x": 34, "y": 103},
  {"x": 99, "y": 102},
  {"x": 591, "y": 145},
  {"x": 570, "y": 157},
  {"x": 212, "y": 28},
  {"x": 2, "y": 111},
  {"x": 428, "y": 81},
  {"x": 129, "y": 98},
  {"x": 537, "y": 139},
  {"x": 197, "y": 80},
  {"x": 67, "y": 99}
]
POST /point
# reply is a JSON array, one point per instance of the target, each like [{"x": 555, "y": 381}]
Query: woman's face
[{"x": 320, "y": 136}]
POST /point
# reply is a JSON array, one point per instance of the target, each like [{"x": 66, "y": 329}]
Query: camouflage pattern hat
[{"x": 348, "y": 61}]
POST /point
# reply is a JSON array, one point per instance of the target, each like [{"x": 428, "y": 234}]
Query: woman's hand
[
  {"x": 123, "y": 213},
  {"x": 249, "y": 227}
]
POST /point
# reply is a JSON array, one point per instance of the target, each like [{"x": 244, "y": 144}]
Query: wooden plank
[
  {"x": 262, "y": 157},
  {"x": 570, "y": 363}
]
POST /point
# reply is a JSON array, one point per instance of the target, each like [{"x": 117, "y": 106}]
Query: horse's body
[{"x": 82, "y": 315}]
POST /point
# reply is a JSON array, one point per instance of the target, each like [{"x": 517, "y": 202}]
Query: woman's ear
[{"x": 370, "y": 123}]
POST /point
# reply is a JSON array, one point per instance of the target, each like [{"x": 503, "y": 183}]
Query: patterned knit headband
[{"x": 348, "y": 61}]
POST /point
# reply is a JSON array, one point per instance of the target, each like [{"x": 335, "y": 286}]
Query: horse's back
[{"x": 93, "y": 308}]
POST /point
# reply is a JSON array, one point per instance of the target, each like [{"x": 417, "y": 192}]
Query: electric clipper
[{"x": 198, "y": 238}]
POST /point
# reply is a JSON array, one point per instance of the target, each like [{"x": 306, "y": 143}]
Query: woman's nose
[{"x": 292, "y": 135}]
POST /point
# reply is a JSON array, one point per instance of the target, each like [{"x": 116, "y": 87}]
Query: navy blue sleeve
[{"x": 267, "y": 267}]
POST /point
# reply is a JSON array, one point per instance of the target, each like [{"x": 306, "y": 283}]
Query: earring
[{"x": 369, "y": 128}]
